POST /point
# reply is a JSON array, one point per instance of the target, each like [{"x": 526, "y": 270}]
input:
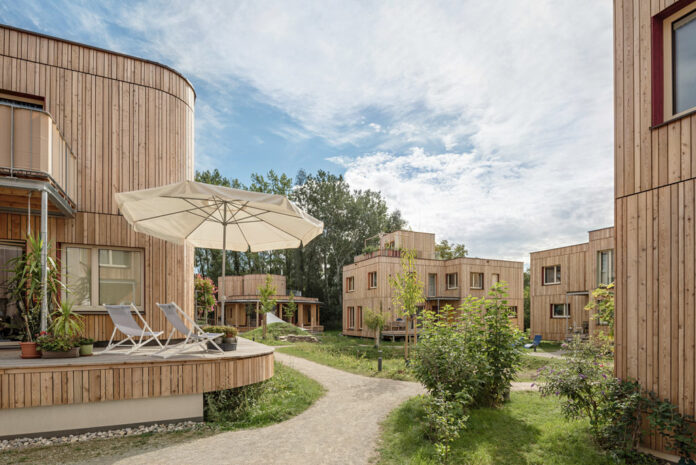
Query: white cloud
[{"x": 485, "y": 122}]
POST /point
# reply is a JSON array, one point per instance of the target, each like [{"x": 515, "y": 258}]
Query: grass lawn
[
  {"x": 285, "y": 395},
  {"x": 527, "y": 430},
  {"x": 273, "y": 331},
  {"x": 356, "y": 355}
]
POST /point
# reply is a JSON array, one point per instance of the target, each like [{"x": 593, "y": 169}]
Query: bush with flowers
[{"x": 205, "y": 296}]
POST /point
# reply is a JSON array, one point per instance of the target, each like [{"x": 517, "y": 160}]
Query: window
[
  {"x": 350, "y": 283},
  {"x": 432, "y": 284},
  {"x": 21, "y": 100},
  {"x": 452, "y": 280},
  {"x": 360, "y": 318},
  {"x": 476, "y": 280},
  {"x": 551, "y": 274},
  {"x": 372, "y": 280},
  {"x": 96, "y": 276},
  {"x": 560, "y": 311},
  {"x": 351, "y": 317},
  {"x": 674, "y": 59},
  {"x": 513, "y": 311},
  {"x": 605, "y": 267},
  {"x": 495, "y": 278}
]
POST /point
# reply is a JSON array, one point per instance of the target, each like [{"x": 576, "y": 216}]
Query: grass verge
[
  {"x": 354, "y": 355},
  {"x": 285, "y": 395},
  {"x": 528, "y": 430}
]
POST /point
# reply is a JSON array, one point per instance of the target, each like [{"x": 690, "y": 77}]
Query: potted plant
[
  {"x": 63, "y": 340},
  {"x": 24, "y": 288},
  {"x": 53, "y": 346},
  {"x": 228, "y": 341},
  {"x": 86, "y": 346}
]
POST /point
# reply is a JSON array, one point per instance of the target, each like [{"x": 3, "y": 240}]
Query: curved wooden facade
[{"x": 130, "y": 124}]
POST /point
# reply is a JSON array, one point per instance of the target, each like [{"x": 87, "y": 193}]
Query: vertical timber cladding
[
  {"x": 654, "y": 214},
  {"x": 130, "y": 124}
]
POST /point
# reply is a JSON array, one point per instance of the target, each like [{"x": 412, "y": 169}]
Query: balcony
[
  {"x": 396, "y": 253},
  {"x": 34, "y": 156}
]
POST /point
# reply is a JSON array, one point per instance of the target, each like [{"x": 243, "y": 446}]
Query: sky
[{"x": 486, "y": 122}]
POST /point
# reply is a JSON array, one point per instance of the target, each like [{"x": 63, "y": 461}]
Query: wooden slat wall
[
  {"x": 381, "y": 297},
  {"x": 573, "y": 262},
  {"x": 61, "y": 385},
  {"x": 654, "y": 214},
  {"x": 249, "y": 284},
  {"x": 130, "y": 124}
]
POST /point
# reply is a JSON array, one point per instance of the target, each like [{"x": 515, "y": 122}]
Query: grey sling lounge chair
[
  {"x": 123, "y": 321},
  {"x": 194, "y": 336}
]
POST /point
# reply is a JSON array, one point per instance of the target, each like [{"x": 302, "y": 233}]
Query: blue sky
[{"x": 488, "y": 123}]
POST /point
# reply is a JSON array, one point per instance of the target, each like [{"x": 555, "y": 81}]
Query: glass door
[
  {"x": 432, "y": 285},
  {"x": 9, "y": 313}
]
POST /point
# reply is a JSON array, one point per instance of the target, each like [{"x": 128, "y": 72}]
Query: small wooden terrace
[{"x": 41, "y": 396}]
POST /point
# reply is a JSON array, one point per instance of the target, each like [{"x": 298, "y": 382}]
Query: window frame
[
  {"x": 566, "y": 312},
  {"x": 513, "y": 311},
  {"x": 662, "y": 63},
  {"x": 555, "y": 274},
  {"x": 359, "y": 317},
  {"x": 495, "y": 278},
  {"x": 350, "y": 284},
  {"x": 471, "y": 280},
  {"x": 351, "y": 317},
  {"x": 96, "y": 273},
  {"x": 371, "y": 275},
  {"x": 612, "y": 274},
  {"x": 456, "y": 280}
]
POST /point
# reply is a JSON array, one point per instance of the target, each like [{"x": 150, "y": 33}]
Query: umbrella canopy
[{"x": 217, "y": 217}]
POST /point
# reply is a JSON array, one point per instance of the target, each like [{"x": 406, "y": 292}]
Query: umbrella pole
[{"x": 224, "y": 263}]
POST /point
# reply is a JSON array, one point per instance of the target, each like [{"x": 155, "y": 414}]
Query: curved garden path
[{"x": 342, "y": 427}]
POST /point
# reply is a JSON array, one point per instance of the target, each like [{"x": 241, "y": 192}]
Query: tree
[
  {"x": 375, "y": 321},
  {"x": 603, "y": 304},
  {"x": 266, "y": 300},
  {"x": 407, "y": 292},
  {"x": 527, "y": 306},
  {"x": 291, "y": 307},
  {"x": 447, "y": 251}
]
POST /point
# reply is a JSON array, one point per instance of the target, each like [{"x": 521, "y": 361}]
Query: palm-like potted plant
[
  {"x": 24, "y": 288},
  {"x": 63, "y": 340}
]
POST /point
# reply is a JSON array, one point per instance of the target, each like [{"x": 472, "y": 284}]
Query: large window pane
[
  {"x": 120, "y": 277},
  {"x": 78, "y": 275},
  {"x": 684, "y": 63}
]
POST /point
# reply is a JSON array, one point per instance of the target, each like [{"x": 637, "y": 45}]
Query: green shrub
[
  {"x": 228, "y": 331},
  {"x": 443, "y": 421},
  {"x": 53, "y": 343},
  {"x": 231, "y": 405}
]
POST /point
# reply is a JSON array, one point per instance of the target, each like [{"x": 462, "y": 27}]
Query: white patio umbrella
[{"x": 217, "y": 217}]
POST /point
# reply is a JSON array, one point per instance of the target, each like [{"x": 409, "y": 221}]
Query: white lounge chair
[
  {"x": 123, "y": 321},
  {"x": 194, "y": 336}
]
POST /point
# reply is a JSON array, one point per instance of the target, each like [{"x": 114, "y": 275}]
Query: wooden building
[
  {"x": 561, "y": 283},
  {"x": 655, "y": 197},
  {"x": 445, "y": 282},
  {"x": 242, "y": 303},
  {"x": 77, "y": 125}
]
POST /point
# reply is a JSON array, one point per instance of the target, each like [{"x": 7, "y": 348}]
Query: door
[
  {"x": 432, "y": 285},
  {"x": 8, "y": 309}
]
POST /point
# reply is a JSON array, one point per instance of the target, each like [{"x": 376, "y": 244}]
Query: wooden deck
[{"x": 46, "y": 382}]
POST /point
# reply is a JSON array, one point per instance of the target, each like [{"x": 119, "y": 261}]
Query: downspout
[{"x": 44, "y": 258}]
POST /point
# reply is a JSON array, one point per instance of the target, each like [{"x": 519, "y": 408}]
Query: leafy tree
[
  {"x": 603, "y": 304},
  {"x": 266, "y": 300},
  {"x": 290, "y": 308},
  {"x": 407, "y": 291},
  {"x": 527, "y": 306},
  {"x": 375, "y": 321},
  {"x": 447, "y": 251}
]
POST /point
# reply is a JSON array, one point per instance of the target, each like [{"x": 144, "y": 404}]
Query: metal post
[
  {"x": 224, "y": 261},
  {"x": 379, "y": 361},
  {"x": 44, "y": 258}
]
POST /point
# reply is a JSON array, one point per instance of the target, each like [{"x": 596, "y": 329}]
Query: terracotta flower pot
[{"x": 29, "y": 350}]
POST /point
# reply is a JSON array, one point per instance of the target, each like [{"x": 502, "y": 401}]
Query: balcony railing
[
  {"x": 378, "y": 253},
  {"x": 32, "y": 147}
]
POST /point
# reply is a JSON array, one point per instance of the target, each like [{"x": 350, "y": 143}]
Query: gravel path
[{"x": 340, "y": 428}]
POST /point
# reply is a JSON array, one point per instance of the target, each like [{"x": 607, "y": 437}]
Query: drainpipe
[{"x": 44, "y": 258}]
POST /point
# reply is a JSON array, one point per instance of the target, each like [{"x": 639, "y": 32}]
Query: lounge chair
[
  {"x": 534, "y": 344},
  {"x": 123, "y": 320},
  {"x": 194, "y": 336}
]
